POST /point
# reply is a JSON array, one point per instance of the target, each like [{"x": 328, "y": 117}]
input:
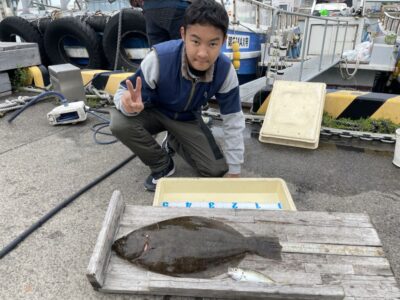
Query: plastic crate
[
  {"x": 232, "y": 193},
  {"x": 294, "y": 114}
]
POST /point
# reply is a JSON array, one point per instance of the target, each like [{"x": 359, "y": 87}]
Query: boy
[{"x": 167, "y": 92}]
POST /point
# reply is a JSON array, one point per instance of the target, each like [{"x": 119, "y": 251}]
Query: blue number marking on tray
[
  {"x": 165, "y": 204},
  {"x": 280, "y": 205},
  {"x": 234, "y": 205},
  {"x": 188, "y": 204},
  {"x": 211, "y": 205},
  {"x": 258, "y": 206}
]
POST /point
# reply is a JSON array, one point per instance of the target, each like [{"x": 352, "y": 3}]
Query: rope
[{"x": 347, "y": 75}]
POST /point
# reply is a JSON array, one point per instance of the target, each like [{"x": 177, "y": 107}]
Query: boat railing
[
  {"x": 274, "y": 22},
  {"x": 391, "y": 22}
]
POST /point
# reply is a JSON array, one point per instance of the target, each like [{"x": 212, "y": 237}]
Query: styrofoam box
[
  {"x": 232, "y": 193},
  {"x": 294, "y": 114},
  {"x": 383, "y": 54}
]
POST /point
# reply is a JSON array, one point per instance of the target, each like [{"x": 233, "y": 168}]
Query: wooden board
[
  {"x": 18, "y": 55},
  {"x": 5, "y": 85},
  {"x": 324, "y": 256}
]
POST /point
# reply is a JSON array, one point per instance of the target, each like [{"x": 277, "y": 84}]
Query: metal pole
[
  {"x": 303, "y": 47},
  {"x": 334, "y": 48},
  {"x": 323, "y": 46},
  {"x": 258, "y": 16},
  {"x": 273, "y": 25},
  {"x": 234, "y": 12},
  {"x": 345, "y": 36}
]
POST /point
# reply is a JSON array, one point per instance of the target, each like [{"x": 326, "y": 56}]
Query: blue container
[{"x": 250, "y": 49}]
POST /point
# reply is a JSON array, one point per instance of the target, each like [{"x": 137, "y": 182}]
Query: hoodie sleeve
[
  {"x": 233, "y": 122},
  {"x": 149, "y": 72}
]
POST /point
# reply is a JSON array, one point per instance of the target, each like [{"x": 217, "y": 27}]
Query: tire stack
[{"x": 88, "y": 42}]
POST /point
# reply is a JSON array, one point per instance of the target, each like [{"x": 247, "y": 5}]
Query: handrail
[
  {"x": 279, "y": 21},
  {"x": 391, "y": 22}
]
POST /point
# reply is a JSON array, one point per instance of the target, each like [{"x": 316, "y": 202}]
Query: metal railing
[
  {"x": 275, "y": 21},
  {"x": 391, "y": 22},
  {"x": 262, "y": 14}
]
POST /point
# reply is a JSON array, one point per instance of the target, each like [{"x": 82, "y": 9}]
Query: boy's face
[{"x": 203, "y": 44}]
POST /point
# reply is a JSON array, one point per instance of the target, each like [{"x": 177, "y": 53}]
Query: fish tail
[{"x": 268, "y": 247}]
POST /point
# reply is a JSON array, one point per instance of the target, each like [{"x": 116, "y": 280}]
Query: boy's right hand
[{"x": 132, "y": 98}]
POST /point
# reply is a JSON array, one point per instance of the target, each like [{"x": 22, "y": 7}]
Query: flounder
[{"x": 187, "y": 245}]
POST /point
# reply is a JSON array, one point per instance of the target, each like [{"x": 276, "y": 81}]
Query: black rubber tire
[
  {"x": 98, "y": 23},
  {"x": 133, "y": 22},
  {"x": 10, "y": 27},
  {"x": 41, "y": 24},
  {"x": 70, "y": 26}
]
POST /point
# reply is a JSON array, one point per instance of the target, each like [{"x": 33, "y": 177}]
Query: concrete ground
[{"x": 42, "y": 165}]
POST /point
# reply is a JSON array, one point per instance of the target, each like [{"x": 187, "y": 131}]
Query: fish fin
[{"x": 268, "y": 247}]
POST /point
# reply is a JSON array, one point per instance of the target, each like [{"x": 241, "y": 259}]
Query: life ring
[
  {"x": 133, "y": 41},
  {"x": 11, "y": 27},
  {"x": 69, "y": 40}
]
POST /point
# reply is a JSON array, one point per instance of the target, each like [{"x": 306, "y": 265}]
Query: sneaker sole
[{"x": 150, "y": 189}]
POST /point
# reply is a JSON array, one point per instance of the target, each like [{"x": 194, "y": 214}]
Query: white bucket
[{"x": 396, "y": 159}]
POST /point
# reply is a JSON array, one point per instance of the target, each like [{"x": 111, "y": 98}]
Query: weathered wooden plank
[
  {"x": 384, "y": 270},
  {"x": 290, "y": 262},
  {"x": 329, "y": 268},
  {"x": 102, "y": 251},
  {"x": 279, "y": 275},
  {"x": 357, "y": 260},
  {"x": 19, "y": 58},
  {"x": 2, "y": 94},
  {"x": 5, "y": 85},
  {"x": 371, "y": 289},
  {"x": 5, "y": 46},
  {"x": 312, "y": 234},
  {"x": 295, "y": 233},
  {"x": 117, "y": 283},
  {"x": 334, "y": 259},
  {"x": 361, "y": 286},
  {"x": 331, "y": 249},
  {"x": 251, "y": 216}
]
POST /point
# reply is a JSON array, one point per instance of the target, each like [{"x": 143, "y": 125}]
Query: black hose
[
  {"x": 59, "y": 207},
  {"x": 37, "y": 99}
]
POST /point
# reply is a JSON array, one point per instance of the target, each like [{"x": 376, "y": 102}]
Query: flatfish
[{"x": 191, "y": 244}]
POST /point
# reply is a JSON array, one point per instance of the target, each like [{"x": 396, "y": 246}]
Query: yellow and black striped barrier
[
  {"x": 101, "y": 79},
  {"x": 356, "y": 105},
  {"x": 38, "y": 76},
  {"x": 107, "y": 81}
]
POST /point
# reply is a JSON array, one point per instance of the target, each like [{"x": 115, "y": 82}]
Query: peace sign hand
[{"x": 132, "y": 98}]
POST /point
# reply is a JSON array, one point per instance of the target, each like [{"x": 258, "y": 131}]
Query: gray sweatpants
[{"x": 192, "y": 140}]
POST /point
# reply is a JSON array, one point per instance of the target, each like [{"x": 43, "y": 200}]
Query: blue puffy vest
[{"x": 174, "y": 95}]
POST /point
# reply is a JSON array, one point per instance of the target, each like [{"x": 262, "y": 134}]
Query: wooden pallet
[
  {"x": 18, "y": 55},
  {"x": 324, "y": 256},
  {"x": 5, "y": 85}
]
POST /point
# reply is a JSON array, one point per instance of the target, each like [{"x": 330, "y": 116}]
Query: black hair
[{"x": 206, "y": 12}]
